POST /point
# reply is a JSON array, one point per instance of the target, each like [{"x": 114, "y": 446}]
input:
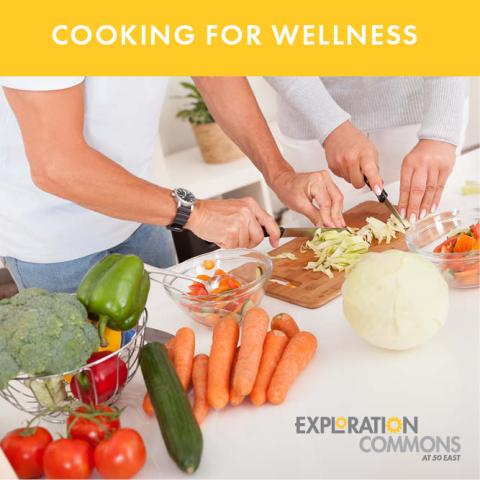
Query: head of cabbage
[{"x": 395, "y": 300}]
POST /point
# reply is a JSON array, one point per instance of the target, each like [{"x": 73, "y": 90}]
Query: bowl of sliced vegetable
[
  {"x": 450, "y": 240},
  {"x": 227, "y": 282}
]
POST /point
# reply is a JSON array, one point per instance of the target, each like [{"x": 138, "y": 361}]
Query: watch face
[{"x": 185, "y": 195}]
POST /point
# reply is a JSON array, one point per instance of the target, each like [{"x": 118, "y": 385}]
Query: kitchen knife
[
  {"x": 382, "y": 198},
  {"x": 307, "y": 232},
  {"x": 155, "y": 335}
]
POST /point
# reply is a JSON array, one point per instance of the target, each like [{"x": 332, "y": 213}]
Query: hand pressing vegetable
[
  {"x": 68, "y": 458},
  {"x": 275, "y": 343},
  {"x": 115, "y": 289},
  {"x": 93, "y": 423},
  {"x": 101, "y": 381},
  {"x": 254, "y": 330},
  {"x": 285, "y": 323},
  {"x": 295, "y": 358},
  {"x": 24, "y": 448},
  {"x": 122, "y": 455},
  {"x": 235, "y": 399},
  {"x": 183, "y": 355},
  {"x": 199, "y": 381},
  {"x": 224, "y": 342}
]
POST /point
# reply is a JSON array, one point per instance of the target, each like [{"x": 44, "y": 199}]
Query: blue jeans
[{"x": 153, "y": 244}]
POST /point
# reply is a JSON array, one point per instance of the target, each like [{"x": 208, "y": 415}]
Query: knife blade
[
  {"x": 306, "y": 232},
  {"x": 382, "y": 198},
  {"x": 155, "y": 335}
]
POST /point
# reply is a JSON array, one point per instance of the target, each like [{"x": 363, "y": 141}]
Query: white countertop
[{"x": 438, "y": 382}]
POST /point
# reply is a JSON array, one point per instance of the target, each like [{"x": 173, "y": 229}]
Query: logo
[{"x": 395, "y": 434}]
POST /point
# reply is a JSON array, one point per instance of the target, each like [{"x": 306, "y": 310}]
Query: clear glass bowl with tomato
[
  {"x": 240, "y": 276},
  {"x": 450, "y": 240}
]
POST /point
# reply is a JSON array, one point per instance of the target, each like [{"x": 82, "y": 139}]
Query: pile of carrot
[{"x": 263, "y": 367}]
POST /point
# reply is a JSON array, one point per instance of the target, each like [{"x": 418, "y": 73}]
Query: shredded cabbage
[
  {"x": 340, "y": 250},
  {"x": 289, "y": 255}
]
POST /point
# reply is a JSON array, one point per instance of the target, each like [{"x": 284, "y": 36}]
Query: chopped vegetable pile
[
  {"x": 464, "y": 270},
  {"x": 225, "y": 283},
  {"x": 341, "y": 250}
]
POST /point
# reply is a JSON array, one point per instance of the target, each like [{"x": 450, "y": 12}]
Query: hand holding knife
[{"x": 382, "y": 198}]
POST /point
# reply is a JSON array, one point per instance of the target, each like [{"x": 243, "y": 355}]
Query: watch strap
[{"x": 181, "y": 218}]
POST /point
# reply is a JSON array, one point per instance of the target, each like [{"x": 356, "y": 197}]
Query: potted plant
[{"x": 214, "y": 145}]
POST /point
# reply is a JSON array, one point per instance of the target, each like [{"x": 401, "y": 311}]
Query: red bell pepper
[{"x": 103, "y": 379}]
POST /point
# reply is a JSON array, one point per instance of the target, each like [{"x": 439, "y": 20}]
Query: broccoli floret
[
  {"x": 8, "y": 367},
  {"x": 46, "y": 333}
]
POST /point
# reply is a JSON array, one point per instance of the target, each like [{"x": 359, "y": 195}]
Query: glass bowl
[
  {"x": 461, "y": 270},
  {"x": 252, "y": 269}
]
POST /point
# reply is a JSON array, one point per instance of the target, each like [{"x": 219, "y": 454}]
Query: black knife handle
[
  {"x": 382, "y": 196},
  {"x": 265, "y": 233}
]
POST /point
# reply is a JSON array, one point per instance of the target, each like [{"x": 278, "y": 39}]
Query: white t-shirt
[{"x": 121, "y": 121}]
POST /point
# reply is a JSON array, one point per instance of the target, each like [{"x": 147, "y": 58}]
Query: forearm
[
  {"x": 444, "y": 109},
  {"x": 234, "y": 107},
  {"x": 309, "y": 97},
  {"x": 84, "y": 176}
]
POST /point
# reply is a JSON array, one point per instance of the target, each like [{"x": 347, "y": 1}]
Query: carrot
[
  {"x": 147, "y": 406},
  {"x": 222, "y": 351},
  {"x": 275, "y": 343},
  {"x": 234, "y": 398},
  {"x": 297, "y": 354},
  {"x": 170, "y": 346},
  {"x": 199, "y": 381},
  {"x": 464, "y": 243},
  {"x": 183, "y": 356},
  {"x": 254, "y": 330},
  {"x": 285, "y": 323}
]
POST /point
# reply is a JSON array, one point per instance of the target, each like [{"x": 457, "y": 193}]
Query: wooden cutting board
[{"x": 314, "y": 289}]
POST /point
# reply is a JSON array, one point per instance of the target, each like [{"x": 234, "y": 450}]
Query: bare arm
[
  {"x": 233, "y": 105},
  {"x": 63, "y": 164}
]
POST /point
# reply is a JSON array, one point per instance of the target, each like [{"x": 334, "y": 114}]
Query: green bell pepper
[{"x": 115, "y": 290}]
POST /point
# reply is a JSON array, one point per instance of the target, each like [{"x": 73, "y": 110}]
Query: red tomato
[
  {"x": 24, "y": 448},
  {"x": 446, "y": 246},
  {"x": 102, "y": 378},
  {"x": 68, "y": 458},
  {"x": 147, "y": 406},
  {"x": 475, "y": 229},
  {"x": 89, "y": 429},
  {"x": 122, "y": 455}
]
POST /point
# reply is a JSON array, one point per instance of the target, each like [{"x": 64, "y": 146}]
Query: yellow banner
[{"x": 249, "y": 37}]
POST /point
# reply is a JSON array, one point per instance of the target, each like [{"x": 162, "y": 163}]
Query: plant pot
[{"x": 215, "y": 146}]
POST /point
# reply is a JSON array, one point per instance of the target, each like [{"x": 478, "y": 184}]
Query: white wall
[{"x": 176, "y": 135}]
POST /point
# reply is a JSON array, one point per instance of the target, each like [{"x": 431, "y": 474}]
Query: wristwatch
[{"x": 185, "y": 201}]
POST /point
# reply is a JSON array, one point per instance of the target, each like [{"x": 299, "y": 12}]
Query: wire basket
[{"x": 20, "y": 394}]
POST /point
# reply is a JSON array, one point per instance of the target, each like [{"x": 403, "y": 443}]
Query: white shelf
[{"x": 187, "y": 169}]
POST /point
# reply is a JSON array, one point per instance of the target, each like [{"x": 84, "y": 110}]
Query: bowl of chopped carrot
[
  {"x": 229, "y": 282},
  {"x": 451, "y": 241}
]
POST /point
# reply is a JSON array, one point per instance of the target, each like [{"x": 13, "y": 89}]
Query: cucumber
[{"x": 180, "y": 430}]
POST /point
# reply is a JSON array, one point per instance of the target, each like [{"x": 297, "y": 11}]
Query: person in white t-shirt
[{"x": 75, "y": 176}]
